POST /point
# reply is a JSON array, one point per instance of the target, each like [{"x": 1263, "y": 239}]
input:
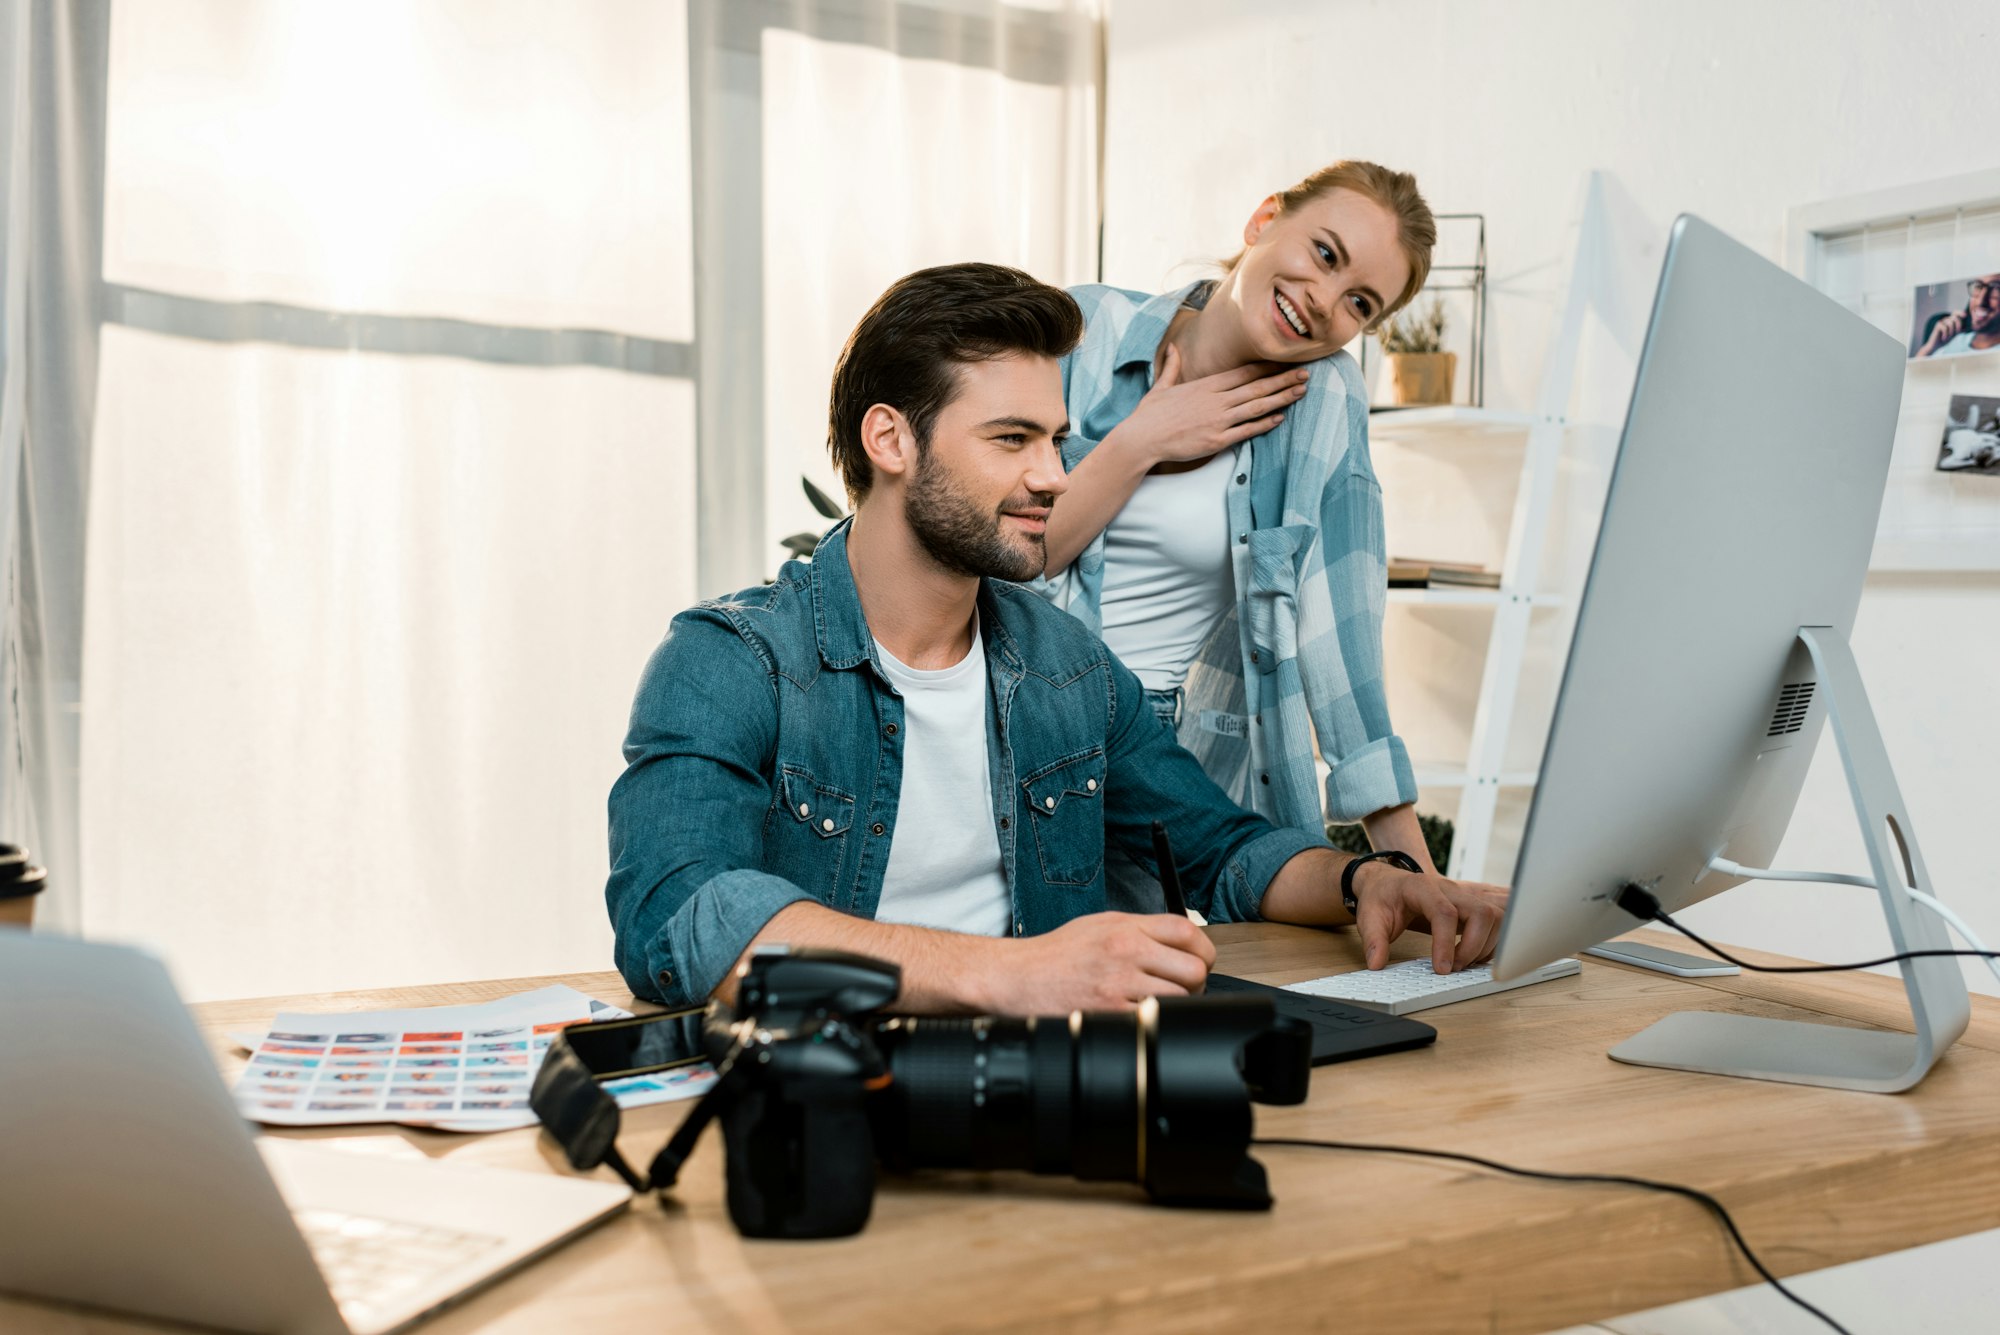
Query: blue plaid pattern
[{"x": 1300, "y": 654}]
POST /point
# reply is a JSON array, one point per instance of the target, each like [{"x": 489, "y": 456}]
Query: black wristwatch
[{"x": 1395, "y": 857}]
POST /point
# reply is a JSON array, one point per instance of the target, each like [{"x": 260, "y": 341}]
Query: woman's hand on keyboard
[{"x": 1462, "y": 917}]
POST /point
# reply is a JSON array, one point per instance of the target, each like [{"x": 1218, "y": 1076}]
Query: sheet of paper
[
  {"x": 439, "y": 1063},
  {"x": 455, "y": 1068},
  {"x": 431, "y": 1017}
]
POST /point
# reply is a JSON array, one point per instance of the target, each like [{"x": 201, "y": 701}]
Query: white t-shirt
[
  {"x": 1961, "y": 343},
  {"x": 1167, "y": 572},
  {"x": 944, "y": 859}
]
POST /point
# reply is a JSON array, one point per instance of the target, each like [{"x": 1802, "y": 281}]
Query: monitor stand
[{"x": 1831, "y": 1055}]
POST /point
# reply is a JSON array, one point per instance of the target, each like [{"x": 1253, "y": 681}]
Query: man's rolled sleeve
[
  {"x": 1239, "y": 896},
  {"x": 684, "y": 896},
  {"x": 708, "y": 933}
]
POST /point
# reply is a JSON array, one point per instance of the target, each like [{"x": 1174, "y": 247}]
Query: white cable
[
  {"x": 1728, "y": 868},
  {"x": 1958, "y": 924}
]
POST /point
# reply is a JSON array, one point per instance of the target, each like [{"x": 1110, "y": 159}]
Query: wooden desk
[{"x": 1357, "y": 1241}]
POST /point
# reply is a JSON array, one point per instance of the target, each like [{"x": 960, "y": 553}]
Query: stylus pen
[{"x": 1170, "y": 877}]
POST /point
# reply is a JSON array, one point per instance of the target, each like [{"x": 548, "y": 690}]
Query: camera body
[
  {"x": 815, "y": 1085},
  {"x": 799, "y": 1064}
]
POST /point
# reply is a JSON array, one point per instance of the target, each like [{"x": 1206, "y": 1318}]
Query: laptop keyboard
[{"x": 372, "y": 1265}]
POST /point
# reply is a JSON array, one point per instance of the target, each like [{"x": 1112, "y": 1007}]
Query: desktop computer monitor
[{"x": 1710, "y": 643}]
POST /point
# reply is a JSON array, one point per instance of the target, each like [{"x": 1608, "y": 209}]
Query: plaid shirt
[{"x": 1301, "y": 650}]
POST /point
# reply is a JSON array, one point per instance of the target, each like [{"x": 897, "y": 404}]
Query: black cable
[
  {"x": 1672, "y": 1188},
  {"x": 1641, "y": 903}
]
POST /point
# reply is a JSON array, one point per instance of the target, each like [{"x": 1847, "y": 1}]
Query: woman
[{"x": 1223, "y": 527}]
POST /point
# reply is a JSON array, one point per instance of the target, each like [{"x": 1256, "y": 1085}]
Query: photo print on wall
[
  {"x": 1971, "y": 436},
  {"x": 1956, "y": 318}
]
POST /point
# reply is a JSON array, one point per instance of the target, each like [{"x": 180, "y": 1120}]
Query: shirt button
[
  {"x": 805, "y": 809},
  {"x": 876, "y": 827},
  {"x": 1003, "y": 822},
  {"x": 1264, "y": 779},
  {"x": 1049, "y": 802},
  {"x": 1241, "y": 478},
  {"x": 666, "y": 977},
  {"x": 1243, "y": 537},
  {"x": 827, "y": 825},
  {"x": 1090, "y": 785},
  {"x": 891, "y": 730},
  {"x": 1253, "y": 655}
]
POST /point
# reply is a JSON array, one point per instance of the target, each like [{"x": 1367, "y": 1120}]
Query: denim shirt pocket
[
  {"x": 811, "y": 824},
  {"x": 1066, "y": 799},
  {"x": 1271, "y": 604}
]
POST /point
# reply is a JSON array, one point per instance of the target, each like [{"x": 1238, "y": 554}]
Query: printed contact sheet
[{"x": 461, "y": 1067}]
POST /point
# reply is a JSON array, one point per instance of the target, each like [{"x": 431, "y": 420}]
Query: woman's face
[{"x": 1313, "y": 277}]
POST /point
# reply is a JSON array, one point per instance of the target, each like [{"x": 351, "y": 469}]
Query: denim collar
[
  {"x": 839, "y": 625},
  {"x": 1141, "y": 342},
  {"x": 841, "y": 628}
]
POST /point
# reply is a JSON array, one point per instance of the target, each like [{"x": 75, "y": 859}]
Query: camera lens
[
  {"x": 1156, "y": 1096},
  {"x": 1057, "y": 1094}
]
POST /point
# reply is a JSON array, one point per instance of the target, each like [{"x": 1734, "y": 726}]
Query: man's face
[
  {"x": 978, "y": 500},
  {"x": 1985, "y": 304}
]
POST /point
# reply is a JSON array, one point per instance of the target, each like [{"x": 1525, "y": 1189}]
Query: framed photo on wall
[
  {"x": 1955, "y": 318},
  {"x": 1971, "y": 436}
]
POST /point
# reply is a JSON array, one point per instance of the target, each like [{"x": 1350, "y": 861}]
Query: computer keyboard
[
  {"x": 1411, "y": 986},
  {"x": 371, "y": 1264}
]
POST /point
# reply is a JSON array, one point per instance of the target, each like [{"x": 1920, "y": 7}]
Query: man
[
  {"x": 894, "y": 751},
  {"x": 1974, "y": 329}
]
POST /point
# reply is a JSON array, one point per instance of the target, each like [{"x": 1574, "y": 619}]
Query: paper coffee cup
[{"x": 20, "y": 883}]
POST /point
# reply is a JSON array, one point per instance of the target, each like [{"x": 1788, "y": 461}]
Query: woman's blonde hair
[{"x": 1416, "y": 227}]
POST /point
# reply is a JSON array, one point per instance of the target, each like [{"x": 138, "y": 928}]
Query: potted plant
[{"x": 1420, "y": 370}]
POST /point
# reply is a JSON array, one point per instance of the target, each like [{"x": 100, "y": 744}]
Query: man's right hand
[
  {"x": 1943, "y": 332},
  {"x": 1106, "y": 961}
]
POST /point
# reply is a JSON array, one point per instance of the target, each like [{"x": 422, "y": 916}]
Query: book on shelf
[{"x": 1412, "y": 573}]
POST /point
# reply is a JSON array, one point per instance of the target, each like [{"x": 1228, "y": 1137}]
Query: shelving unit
[{"x": 1539, "y": 434}]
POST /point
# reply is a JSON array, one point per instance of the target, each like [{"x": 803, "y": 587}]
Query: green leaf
[{"x": 821, "y": 502}]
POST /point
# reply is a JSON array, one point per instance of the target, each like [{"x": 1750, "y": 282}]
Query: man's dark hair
[{"x": 907, "y": 350}]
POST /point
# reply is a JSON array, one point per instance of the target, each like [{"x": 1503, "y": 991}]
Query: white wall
[{"x": 1736, "y": 111}]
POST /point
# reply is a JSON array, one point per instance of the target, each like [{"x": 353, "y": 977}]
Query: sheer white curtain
[
  {"x": 879, "y": 160},
  {"x": 398, "y": 472},
  {"x": 839, "y": 145},
  {"x": 393, "y": 487},
  {"x": 52, "y": 55}
]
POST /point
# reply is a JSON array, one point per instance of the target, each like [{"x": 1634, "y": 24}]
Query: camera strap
[{"x": 666, "y": 1166}]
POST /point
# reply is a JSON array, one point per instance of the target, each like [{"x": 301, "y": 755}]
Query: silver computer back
[
  {"x": 127, "y": 1178},
  {"x": 1742, "y": 506}
]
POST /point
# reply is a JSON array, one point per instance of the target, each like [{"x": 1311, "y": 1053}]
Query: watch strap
[{"x": 1395, "y": 857}]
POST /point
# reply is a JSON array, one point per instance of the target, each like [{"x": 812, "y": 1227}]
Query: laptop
[{"x": 132, "y": 1183}]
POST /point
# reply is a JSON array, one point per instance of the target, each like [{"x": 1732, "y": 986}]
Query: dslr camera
[{"x": 815, "y": 1085}]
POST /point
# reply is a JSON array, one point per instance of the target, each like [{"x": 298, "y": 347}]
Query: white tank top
[{"x": 1167, "y": 573}]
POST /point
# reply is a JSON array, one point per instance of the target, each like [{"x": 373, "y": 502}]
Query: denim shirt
[{"x": 764, "y": 767}]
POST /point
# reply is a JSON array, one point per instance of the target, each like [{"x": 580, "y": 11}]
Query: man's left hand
[{"x": 1462, "y": 917}]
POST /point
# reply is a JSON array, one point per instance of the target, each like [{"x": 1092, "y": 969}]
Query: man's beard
[{"x": 961, "y": 537}]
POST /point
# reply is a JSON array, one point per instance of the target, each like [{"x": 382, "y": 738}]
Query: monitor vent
[{"x": 1790, "y": 715}]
